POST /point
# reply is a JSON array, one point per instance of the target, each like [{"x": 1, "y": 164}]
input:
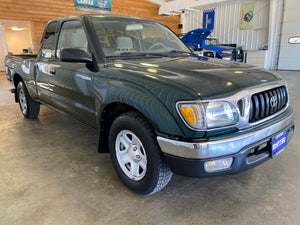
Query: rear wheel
[
  {"x": 29, "y": 108},
  {"x": 136, "y": 155}
]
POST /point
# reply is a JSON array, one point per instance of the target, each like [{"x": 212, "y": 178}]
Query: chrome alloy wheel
[
  {"x": 23, "y": 101},
  {"x": 131, "y": 155}
]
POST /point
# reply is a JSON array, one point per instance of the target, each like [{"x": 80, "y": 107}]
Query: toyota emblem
[{"x": 273, "y": 101}]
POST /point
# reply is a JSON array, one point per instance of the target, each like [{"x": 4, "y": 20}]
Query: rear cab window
[{"x": 48, "y": 40}]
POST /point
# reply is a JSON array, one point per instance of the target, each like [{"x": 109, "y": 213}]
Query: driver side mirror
[{"x": 75, "y": 55}]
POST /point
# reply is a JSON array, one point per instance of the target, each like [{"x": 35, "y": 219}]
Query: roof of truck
[{"x": 100, "y": 16}]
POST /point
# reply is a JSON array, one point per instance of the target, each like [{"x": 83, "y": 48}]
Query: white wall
[
  {"x": 17, "y": 40},
  {"x": 3, "y": 46},
  {"x": 289, "y": 54},
  {"x": 227, "y": 24},
  {"x": 256, "y": 58}
]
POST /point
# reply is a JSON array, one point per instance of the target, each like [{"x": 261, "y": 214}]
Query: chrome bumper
[{"x": 229, "y": 145}]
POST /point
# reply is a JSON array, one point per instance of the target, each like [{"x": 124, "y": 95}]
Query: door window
[{"x": 72, "y": 35}]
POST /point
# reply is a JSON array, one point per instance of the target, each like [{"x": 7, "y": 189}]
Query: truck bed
[
  {"x": 12, "y": 60},
  {"x": 25, "y": 56}
]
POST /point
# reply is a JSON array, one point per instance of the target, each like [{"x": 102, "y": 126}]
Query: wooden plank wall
[{"x": 38, "y": 12}]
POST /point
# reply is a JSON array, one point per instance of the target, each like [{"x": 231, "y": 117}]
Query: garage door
[{"x": 289, "y": 55}]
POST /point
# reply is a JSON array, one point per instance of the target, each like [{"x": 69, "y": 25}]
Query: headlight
[
  {"x": 220, "y": 114},
  {"x": 208, "y": 114}
]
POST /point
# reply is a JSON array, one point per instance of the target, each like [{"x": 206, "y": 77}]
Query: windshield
[
  {"x": 125, "y": 37},
  {"x": 212, "y": 41}
]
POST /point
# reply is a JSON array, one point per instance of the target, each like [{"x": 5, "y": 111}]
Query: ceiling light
[{"x": 17, "y": 28}]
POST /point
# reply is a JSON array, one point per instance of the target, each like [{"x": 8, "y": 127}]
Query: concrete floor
[{"x": 51, "y": 173}]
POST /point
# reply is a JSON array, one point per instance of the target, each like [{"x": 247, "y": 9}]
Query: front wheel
[
  {"x": 29, "y": 108},
  {"x": 136, "y": 155}
]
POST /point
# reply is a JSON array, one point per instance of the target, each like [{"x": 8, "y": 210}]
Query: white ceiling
[
  {"x": 168, "y": 7},
  {"x": 159, "y": 2}
]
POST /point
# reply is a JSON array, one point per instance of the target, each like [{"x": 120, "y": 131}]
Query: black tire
[
  {"x": 157, "y": 173},
  {"x": 29, "y": 108}
]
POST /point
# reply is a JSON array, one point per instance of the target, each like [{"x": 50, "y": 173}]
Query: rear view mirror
[
  {"x": 134, "y": 27},
  {"x": 46, "y": 53},
  {"x": 75, "y": 55}
]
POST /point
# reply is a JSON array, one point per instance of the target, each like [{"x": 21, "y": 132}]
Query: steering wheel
[{"x": 157, "y": 46}]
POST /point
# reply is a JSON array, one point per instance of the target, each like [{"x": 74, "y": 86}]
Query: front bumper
[
  {"x": 231, "y": 57},
  {"x": 188, "y": 158}
]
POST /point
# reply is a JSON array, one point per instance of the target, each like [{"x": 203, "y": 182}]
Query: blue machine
[{"x": 199, "y": 39}]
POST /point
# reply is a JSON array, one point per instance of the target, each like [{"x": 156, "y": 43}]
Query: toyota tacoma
[{"x": 158, "y": 108}]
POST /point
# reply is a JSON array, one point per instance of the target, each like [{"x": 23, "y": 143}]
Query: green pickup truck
[{"x": 158, "y": 108}]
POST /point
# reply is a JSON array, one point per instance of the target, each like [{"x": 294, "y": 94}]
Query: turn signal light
[
  {"x": 192, "y": 114},
  {"x": 188, "y": 114},
  {"x": 225, "y": 52}
]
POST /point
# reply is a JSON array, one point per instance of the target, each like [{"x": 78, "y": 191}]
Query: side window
[
  {"x": 48, "y": 40},
  {"x": 294, "y": 40},
  {"x": 72, "y": 35}
]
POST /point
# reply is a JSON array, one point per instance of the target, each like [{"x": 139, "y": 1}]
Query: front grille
[
  {"x": 208, "y": 54},
  {"x": 266, "y": 103}
]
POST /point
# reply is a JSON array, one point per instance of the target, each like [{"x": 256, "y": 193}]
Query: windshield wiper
[
  {"x": 125, "y": 55},
  {"x": 181, "y": 52}
]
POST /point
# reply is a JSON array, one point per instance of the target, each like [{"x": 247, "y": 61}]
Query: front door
[
  {"x": 42, "y": 68},
  {"x": 72, "y": 83}
]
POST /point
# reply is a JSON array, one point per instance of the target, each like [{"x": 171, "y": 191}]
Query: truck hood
[
  {"x": 206, "y": 78},
  {"x": 195, "y": 37}
]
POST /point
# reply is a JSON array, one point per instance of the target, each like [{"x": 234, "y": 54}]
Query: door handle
[{"x": 52, "y": 72}]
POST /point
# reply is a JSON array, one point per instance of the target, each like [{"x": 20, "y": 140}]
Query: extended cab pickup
[{"x": 158, "y": 108}]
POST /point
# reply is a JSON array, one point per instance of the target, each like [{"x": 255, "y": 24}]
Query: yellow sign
[{"x": 247, "y": 15}]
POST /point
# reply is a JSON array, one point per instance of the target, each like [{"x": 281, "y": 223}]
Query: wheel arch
[
  {"x": 111, "y": 111},
  {"x": 122, "y": 97},
  {"x": 17, "y": 78},
  {"x": 108, "y": 115}
]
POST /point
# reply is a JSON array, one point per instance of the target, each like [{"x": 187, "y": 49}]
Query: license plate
[{"x": 279, "y": 144}]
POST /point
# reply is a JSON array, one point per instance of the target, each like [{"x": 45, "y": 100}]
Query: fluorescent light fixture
[{"x": 17, "y": 28}]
